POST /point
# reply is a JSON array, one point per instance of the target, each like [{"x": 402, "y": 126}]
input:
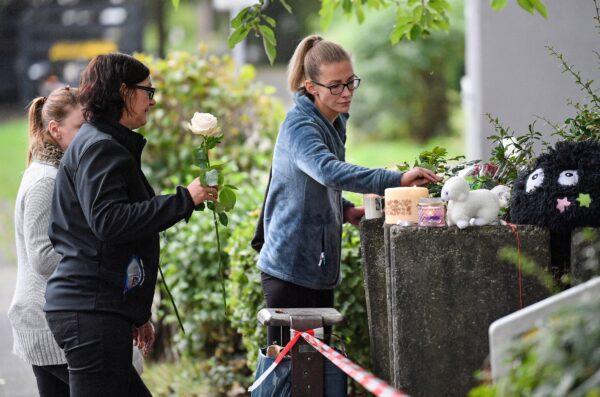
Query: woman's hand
[
  {"x": 353, "y": 215},
  {"x": 143, "y": 338},
  {"x": 201, "y": 193},
  {"x": 418, "y": 177}
]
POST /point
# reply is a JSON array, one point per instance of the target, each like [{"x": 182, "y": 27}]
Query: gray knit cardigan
[{"x": 33, "y": 341}]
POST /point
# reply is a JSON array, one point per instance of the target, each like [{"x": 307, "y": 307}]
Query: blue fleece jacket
[{"x": 304, "y": 207}]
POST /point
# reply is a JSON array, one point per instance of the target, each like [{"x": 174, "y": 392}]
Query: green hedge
[
  {"x": 246, "y": 295},
  {"x": 249, "y": 116}
]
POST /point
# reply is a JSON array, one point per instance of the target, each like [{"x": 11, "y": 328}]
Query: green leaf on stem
[
  {"x": 238, "y": 35},
  {"x": 327, "y": 11},
  {"x": 267, "y": 33},
  {"x": 219, "y": 167},
  {"x": 270, "y": 48},
  {"x": 239, "y": 18},
  {"x": 269, "y": 20},
  {"x": 498, "y": 4},
  {"x": 527, "y": 5},
  {"x": 210, "y": 142},
  {"x": 200, "y": 207},
  {"x": 540, "y": 7},
  {"x": 227, "y": 199},
  {"x": 223, "y": 219}
]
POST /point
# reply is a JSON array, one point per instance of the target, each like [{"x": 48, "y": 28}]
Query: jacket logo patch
[{"x": 135, "y": 273}]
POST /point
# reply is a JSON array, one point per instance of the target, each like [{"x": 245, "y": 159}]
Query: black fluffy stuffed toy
[{"x": 560, "y": 192}]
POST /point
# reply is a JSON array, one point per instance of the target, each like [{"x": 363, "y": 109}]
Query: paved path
[{"x": 16, "y": 377}]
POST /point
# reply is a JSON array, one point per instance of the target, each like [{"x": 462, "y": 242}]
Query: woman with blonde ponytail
[
  {"x": 304, "y": 209},
  {"x": 53, "y": 122}
]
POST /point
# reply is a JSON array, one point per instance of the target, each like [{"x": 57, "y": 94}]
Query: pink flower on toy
[{"x": 562, "y": 204}]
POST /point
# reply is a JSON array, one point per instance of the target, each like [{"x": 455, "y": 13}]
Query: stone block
[{"x": 445, "y": 287}]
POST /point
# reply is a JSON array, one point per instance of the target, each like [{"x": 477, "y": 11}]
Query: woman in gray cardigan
[{"x": 53, "y": 122}]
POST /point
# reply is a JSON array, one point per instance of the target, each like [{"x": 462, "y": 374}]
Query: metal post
[{"x": 307, "y": 364}]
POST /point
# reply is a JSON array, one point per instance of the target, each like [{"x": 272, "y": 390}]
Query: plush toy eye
[
  {"x": 535, "y": 180},
  {"x": 568, "y": 178}
]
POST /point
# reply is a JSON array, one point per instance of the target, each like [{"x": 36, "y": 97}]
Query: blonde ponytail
[
  {"x": 43, "y": 109},
  {"x": 36, "y": 126},
  {"x": 311, "y": 53}
]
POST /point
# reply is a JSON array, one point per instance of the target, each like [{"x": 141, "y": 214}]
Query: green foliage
[
  {"x": 214, "y": 175},
  {"x": 586, "y": 123},
  {"x": 437, "y": 161},
  {"x": 175, "y": 379},
  {"x": 250, "y": 116},
  {"x": 252, "y": 19},
  {"x": 413, "y": 19},
  {"x": 513, "y": 153},
  {"x": 246, "y": 294},
  {"x": 560, "y": 358},
  {"x": 13, "y": 151},
  {"x": 245, "y": 289},
  {"x": 425, "y": 76}
]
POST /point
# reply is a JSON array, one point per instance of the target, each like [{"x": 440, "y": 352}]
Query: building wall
[{"x": 510, "y": 73}]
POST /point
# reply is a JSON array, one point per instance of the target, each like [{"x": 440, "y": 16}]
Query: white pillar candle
[
  {"x": 373, "y": 205},
  {"x": 401, "y": 204}
]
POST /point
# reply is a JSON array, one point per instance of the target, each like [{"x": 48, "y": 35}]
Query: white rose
[{"x": 204, "y": 124}]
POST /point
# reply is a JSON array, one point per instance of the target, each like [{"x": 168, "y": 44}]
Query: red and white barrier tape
[
  {"x": 278, "y": 359},
  {"x": 360, "y": 375},
  {"x": 366, "y": 379}
]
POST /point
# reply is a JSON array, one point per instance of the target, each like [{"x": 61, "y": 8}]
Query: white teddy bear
[{"x": 466, "y": 207}]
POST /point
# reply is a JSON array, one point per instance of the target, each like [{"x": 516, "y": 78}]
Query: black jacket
[{"x": 103, "y": 213}]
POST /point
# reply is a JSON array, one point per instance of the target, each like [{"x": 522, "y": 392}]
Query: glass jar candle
[{"x": 432, "y": 212}]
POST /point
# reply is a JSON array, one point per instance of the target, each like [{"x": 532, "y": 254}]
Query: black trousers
[
  {"x": 52, "y": 380},
  {"x": 282, "y": 294},
  {"x": 98, "y": 347}
]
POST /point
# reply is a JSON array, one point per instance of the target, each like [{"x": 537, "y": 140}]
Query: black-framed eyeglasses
[
  {"x": 150, "y": 90},
  {"x": 337, "y": 89}
]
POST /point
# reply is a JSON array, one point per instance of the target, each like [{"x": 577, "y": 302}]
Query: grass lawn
[
  {"x": 381, "y": 154},
  {"x": 183, "y": 378},
  {"x": 13, "y": 149}
]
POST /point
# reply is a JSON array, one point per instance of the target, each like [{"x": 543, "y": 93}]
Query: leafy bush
[
  {"x": 246, "y": 295},
  {"x": 249, "y": 116}
]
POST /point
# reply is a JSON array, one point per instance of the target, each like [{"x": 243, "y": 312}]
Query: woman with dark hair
[{"x": 105, "y": 224}]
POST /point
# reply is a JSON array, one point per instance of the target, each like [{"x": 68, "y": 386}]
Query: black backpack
[{"x": 259, "y": 233}]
